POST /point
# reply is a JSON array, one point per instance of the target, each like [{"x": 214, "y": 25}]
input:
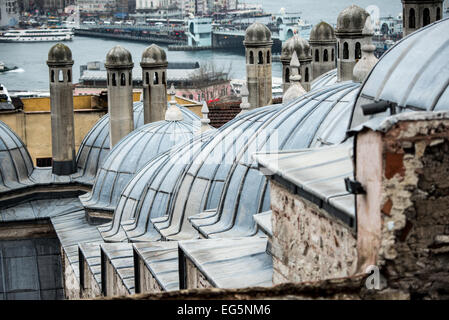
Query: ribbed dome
[
  {"x": 257, "y": 33},
  {"x": 95, "y": 145},
  {"x": 414, "y": 73},
  {"x": 130, "y": 155},
  {"x": 154, "y": 56},
  {"x": 16, "y": 164},
  {"x": 60, "y": 54},
  {"x": 325, "y": 79},
  {"x": 222, "y": 173},
  {"x": 119, "y": 57},
  {"x": 298, "y": 44},
  {"x": 322, "y": 32},
  {"x": 351, "y": 20}
]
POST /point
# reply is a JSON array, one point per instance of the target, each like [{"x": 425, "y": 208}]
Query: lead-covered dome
[
  {"x": 16, "y": 164},
  {"x": 298, "y": 44},
  {"x": 322, "y": 32},
  {"x": 222, "y": 180},
  {"x": 119, "y": 57},
  {"x": 130, "y": 155},
  {"x": 95, "y": 146},
  {"x": 154, "y": 56},
  {"x": 59, "y": 54},
  {"x": 351, "y": 20},
  {"x": 257, "y": 33},
  {"x": 414, "y": 74}
]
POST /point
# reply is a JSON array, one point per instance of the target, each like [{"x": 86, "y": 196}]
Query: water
[{"x": 33, "y": 71}]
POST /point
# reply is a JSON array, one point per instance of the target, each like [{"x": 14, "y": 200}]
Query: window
[
  {"x": 426, "y": 17},
  {"x": 333, "y": 55},
  {"x": 130, "y": 78},
  {"x": 163, "y": 78},
  {"x": 114, "y": 80},
  {"x": 52, "y": 76},
  {"x": 107, "y": 80},
  {"x": 317, "y": 55},
  {"x": 287, "y": 75},
  {"x": 325, "y": 55},
  {"x": 345, "y": 51},
  {"x": 438, "y": 13},
  {"x": 338, "y": 49},
  {"x": 156, "y": 78},
  {"x": 307, "y": 75},
  {"x": 147, "y": 78},
  {"x": 60, "y": 76},
  {"x": 43, "y": 162},
  {"x": 122, "y": 80},
  {"x": 251, "y": 57},
  {"x": 268, "y": 57},
  {"x": 412, "y": 19},
  {"x": 260, "y": 57},
  {"x": 358, "y": 51},
  {"x": 69, "y": 76}
]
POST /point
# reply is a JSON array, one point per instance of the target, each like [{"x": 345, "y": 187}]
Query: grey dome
[
  {"x": 406, "y": 76},
  {"x": 130, "y": 155},
  {"x": 351, "y": 20},
  {"x": 154, "y": 56},
  {"x": 60, "y": 54},
  {"x": 16, "y": 164},
  {"x": 95, "y": 146},
  {"x": 119, "y": 57},
  {"x": 322, "y": 32},
  {"x": 223, "y": 175},
  {"x": 325, "y": 79},
  {"x": 298, "y": 44},
  {"x": 257, "y": 33}
]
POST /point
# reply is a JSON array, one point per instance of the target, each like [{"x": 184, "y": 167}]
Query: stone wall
[
  {"x": 308, "y": 244},
  {"x": 413, "y": 208},
  {"x": 146, "y": 283},
  {"x": 91, "y": 288},
  {"x": 195, "y": 278},
  {"x": 71, "y": 283}
]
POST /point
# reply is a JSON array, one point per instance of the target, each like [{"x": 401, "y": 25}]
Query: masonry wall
[
  {"x": 147, "y": 283},
  {"x": 308, "y": 244},
  {"x": 195, "y": 278},
  {"x": 71, "y": 283},
  {"x": 412, "y": 213},
  {"x": 91, "y": 287}
]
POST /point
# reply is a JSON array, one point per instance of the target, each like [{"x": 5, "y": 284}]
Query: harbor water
[{"x": 31, "y": 58}]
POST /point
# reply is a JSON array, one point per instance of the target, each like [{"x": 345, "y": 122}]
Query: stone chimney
[
  {"x": 154, "y": 76},
  {"x": 363, "y": 68},
  {"x": 119, "y": 66},
  {"x": 61, "y": 100},
  {"x": 322, "y": 42},
  {"x": 302, "y": 49},
  {"x": 295, "y": 90},
  {"x": 258, "y": 65},
  {"x": 419, "y": 13}
]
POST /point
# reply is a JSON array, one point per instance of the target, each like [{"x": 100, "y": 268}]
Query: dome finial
[
  {"x": 205, "y": 120},
  {"x": 368, "y": 60},
  {"x": 295, "y": 90},
  {"x": 245, "y": 105},
  {"x": 173, "y": 112}
]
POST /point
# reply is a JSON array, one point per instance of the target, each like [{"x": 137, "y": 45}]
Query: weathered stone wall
[
  {"x": 413, "y": 209},
  {"x": 91, "y": 287},
  {"x": 71, "y": 283},
  {"x": 195, "y": 278},
  {"x": 147, "y": 283},
  {"x": 308, "y": 244},
  {"x": 114, "y": 284}
]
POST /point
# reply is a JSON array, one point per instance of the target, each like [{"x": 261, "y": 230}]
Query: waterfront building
[{"x": 9, "y": 13}]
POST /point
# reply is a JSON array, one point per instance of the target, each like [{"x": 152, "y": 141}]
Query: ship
[
  {"x": 37, "y": 35},
  {"x": 5, "y": 68}
]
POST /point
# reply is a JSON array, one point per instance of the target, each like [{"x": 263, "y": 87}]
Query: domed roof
[
  {"x": 413, "y": 74},
  {"x": 257, "y": 33},
  {"x": 351, "y": 20},
  {"x": 60, "y": 54},
  {"x": 154, "y": 56},
  {"x": 322, "y": 32},
  {"x": 298, "y": 44},
  {"x": 325, "y": 79},
  {"x": 223, "y": 178},
  {"x": 16, "y": 164},
  {"x": 130, "y": 155},
  {"x": 119, "y": 57},
  {"x": 95, "y": 146}
]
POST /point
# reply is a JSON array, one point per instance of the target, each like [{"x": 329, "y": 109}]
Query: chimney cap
[
  {"x": 258, "y": 34},
  {"x": 296, "y": 44},
  {"x": 322, "y": 32},
  {"x": 119, "y": 57},
  {"x": 60, "y": 54},
  {"x": 352, "y": 20},
  {"x": 154, "y": 56}
]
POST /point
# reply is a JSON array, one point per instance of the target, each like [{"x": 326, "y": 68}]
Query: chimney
[{"x": 61, "y": 100}]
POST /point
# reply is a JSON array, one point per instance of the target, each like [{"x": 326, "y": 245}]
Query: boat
[
  {"x": 5, "y": 99},
  {"x": 37, "y": 35},
  {"x": 5, "y": 68}
]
